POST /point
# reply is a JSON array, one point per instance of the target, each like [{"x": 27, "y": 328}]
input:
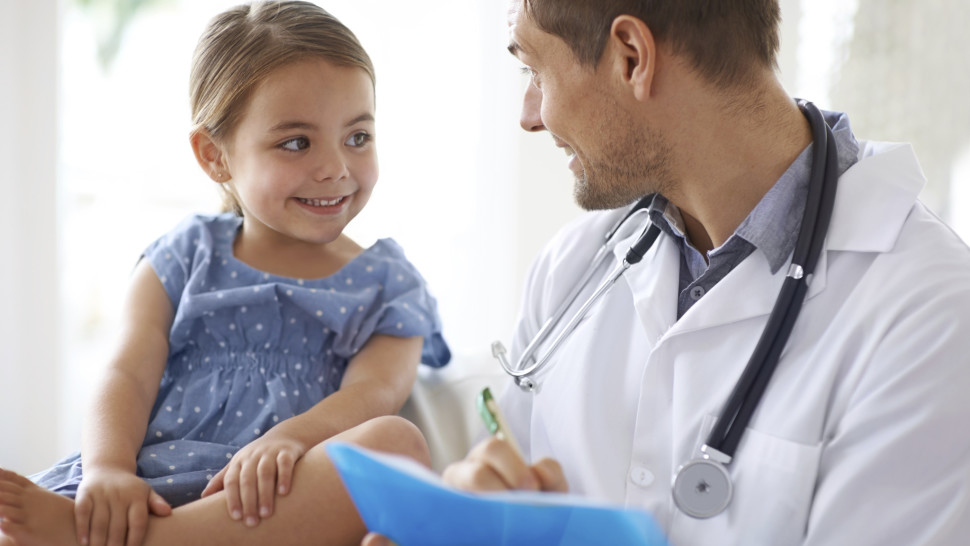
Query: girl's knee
[{"x": 393, "y": 434}]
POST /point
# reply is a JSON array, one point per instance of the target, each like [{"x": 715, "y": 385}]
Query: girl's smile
[{"x": 324, "y": 206}]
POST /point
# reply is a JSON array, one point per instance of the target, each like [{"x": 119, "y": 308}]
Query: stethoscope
[{"x": 702, "y": 486}]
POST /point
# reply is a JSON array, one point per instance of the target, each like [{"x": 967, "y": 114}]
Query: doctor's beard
[{"x": 623, "y": 173}]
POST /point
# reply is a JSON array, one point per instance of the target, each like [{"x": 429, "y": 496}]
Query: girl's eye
[
  {"x": 358, "y": 139},
  {"x": 296, "y": 144}
]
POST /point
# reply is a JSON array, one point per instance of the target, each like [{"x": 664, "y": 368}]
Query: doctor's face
[{"x": 615, "y": 159}]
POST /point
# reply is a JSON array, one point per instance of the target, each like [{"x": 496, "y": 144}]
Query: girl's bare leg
[
  {"x": 316, "y": 511},
  {"x": 25, "y": 507}
]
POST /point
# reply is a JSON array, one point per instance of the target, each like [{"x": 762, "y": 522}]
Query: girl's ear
[
  {"x": 210, "y": 155},
  {"x": 634, "y": 53}
]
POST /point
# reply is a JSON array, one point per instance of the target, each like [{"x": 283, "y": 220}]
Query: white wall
[{"x": 29, "y": 332}]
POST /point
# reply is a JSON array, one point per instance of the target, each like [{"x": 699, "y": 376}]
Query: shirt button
[
  {"x": 697, "y": 293},
  {"x": 641, "y": 476}
]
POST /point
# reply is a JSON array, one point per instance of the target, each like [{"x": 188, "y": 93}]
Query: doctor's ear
[
  {"x": 210, "y": 155},
  {"x": 633, "y": 52}
]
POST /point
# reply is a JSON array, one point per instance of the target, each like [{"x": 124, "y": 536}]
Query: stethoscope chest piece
[{"x": 702, "y": 488}]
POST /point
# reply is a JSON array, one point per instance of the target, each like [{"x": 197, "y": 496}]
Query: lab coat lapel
[
  {"x": 654, "y": 285},
  {"x": 750, "y": 290}
]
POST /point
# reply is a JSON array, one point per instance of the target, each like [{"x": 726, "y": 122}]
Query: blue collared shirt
[{"x": 772, "y": 226}]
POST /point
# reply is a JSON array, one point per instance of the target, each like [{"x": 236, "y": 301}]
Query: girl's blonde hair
[{"x": 242, "y": 45}]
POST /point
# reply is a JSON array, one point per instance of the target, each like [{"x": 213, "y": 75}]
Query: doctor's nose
[{"x": 531, "y": 120}]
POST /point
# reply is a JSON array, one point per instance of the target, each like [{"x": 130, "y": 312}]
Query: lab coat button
[
  {"x": 697, "y": 293},
  {"x": 641, "y": 476}
]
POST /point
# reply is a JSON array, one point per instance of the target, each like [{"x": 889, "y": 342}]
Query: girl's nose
[{"x": 330, "y": 165}]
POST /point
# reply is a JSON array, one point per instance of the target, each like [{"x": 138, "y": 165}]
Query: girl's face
[{"x": 302, "y": 161}]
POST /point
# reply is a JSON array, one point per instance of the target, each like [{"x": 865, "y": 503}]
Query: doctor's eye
[
  {"x": 532, "y": 74},
  {"x": 297, "y": 144},
  {"x": 359, "y": 139}
]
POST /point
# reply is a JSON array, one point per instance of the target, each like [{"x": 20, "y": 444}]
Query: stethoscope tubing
[
  {"x": 528, "y": 353},
  {"x": 522, "y": 373},
  {"x": 748, "y": 391}
]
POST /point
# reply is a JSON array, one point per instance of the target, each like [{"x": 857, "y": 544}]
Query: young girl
[{"x": 254, "y": 335}]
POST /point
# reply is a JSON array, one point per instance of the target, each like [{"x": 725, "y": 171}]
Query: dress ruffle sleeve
[{"x": 404, "y": 306}]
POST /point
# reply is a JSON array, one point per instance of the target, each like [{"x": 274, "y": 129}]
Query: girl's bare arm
[{"x": 112, "y": 502}]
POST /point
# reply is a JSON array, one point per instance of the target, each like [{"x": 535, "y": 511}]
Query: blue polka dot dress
[{"x": 249, "y": 349}]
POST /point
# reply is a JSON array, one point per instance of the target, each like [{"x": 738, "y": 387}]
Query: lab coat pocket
[{"x": 773, "y": 482}]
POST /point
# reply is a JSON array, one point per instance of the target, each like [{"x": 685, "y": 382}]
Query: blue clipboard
[{"x": 408, "y": 503}]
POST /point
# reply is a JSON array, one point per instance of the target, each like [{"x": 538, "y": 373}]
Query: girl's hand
[
  {"x": 255, "y": 475},
  {"x": 112, "y": 507}
]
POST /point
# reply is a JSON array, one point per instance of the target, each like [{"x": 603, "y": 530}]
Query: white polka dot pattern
[{"x": 249, "y": 349}]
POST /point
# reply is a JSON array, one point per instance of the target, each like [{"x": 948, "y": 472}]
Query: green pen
[{"x": 494, "y": 421}]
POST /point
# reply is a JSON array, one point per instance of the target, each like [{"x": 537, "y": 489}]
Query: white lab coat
[{"x": 863, "y": 435}]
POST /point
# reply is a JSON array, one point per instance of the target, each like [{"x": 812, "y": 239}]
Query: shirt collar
[{"x": 772, "y": 226}]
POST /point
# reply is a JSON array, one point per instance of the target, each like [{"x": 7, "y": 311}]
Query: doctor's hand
[
  {"x": 494, "y": 465},
  {"x": 374, "y": 539}
]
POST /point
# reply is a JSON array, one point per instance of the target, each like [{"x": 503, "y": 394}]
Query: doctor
[{"x": 863, "y": 433}]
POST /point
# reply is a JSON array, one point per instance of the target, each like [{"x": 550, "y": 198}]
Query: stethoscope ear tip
[
  {"x": 526, "y": 384},
  {"x": 499, "y": 353}
]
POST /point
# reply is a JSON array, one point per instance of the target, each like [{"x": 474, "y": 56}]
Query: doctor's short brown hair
[{"x": 722, "y": 39}]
